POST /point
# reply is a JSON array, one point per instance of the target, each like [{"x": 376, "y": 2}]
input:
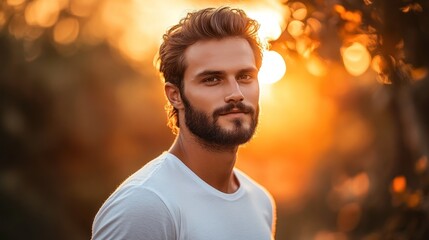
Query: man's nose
[{"x": 234, "y": 93}]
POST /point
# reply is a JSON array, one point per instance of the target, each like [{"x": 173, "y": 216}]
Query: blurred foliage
[
  {"x": 379, "y": 189},
  {"x": 63, "y": 127},
  {"x": 77, "y": 115},
  {"x": 57, "y": 113}
]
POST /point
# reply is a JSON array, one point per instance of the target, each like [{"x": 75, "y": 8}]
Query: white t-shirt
[{"x": 166, "y": 200}]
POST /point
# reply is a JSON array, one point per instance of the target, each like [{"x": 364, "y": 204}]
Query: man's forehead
[
  {"x": 213, "y": 46},
  {"x": 219, "y": 55}
]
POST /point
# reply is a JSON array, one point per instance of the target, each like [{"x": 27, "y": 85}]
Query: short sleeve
[{"x": 134, "y": 213}]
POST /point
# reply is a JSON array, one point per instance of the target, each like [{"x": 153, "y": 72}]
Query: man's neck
[{"x": 213, "y": 164}]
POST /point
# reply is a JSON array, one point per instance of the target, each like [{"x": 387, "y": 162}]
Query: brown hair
[{"x": 209, "y": 23}]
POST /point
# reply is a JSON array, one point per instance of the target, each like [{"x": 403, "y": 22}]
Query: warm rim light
[{"x": 273, "y": 68}]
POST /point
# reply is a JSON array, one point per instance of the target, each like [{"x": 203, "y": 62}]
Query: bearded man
[{"x": 210, "y": 62}]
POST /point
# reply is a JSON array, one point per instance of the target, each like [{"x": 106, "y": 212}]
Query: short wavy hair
[{"x": 205, "y": 24}]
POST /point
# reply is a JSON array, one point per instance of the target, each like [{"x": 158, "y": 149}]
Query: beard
[{"x": 207, "y": 129}]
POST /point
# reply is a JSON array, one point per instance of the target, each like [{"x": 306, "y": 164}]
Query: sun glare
[
  {"x": 270, "y": 24},
  {"x": 273, "y": 68}
]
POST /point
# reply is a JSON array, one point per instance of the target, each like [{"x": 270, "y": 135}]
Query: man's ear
[{"x": 173, "y": 95}]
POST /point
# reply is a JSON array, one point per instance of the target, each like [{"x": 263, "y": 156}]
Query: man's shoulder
[
  {"x": 154, "y": 178},
  {"x": 140, "y": 187},
  {"x": 133, "y": 197},
  {"x": 151, "y": 173}
]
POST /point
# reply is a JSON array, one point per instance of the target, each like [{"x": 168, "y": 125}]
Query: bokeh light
[
  {"x": 66, "y": 31},
  {"x": 299, "y": 10},
  {"x": 296, "y": 28},
  {"x": 399, "y": 184},
  {"x": 43, "y": 13},
  {"x": 356, "y": 58}
]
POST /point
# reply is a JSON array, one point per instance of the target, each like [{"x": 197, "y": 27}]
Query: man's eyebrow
[
  {"x": 209, "y": 73},
  {"x": 215, "y": 72},
  {"x": 250, "y": 69}
]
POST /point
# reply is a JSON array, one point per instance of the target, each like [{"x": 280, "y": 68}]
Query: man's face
[{"x": 221, "y": 91}]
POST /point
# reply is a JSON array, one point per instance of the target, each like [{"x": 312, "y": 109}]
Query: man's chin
[
  {"x": 225, "y": 138},
  {"x": 237, "y": 136},
  {"x": 234, "y": 125}
]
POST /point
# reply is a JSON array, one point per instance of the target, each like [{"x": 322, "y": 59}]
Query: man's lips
[{"x": 233, "y": 112}]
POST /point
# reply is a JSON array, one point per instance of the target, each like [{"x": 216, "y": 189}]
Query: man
[{"x": 210, "y": 62}]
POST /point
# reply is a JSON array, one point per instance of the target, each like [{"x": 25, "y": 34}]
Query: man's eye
[
  {"x": 245, "y": 77},
  {"x": 211, "y": 80}
]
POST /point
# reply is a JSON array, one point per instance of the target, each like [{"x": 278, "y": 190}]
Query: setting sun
[{"x": 273, "y": 68}]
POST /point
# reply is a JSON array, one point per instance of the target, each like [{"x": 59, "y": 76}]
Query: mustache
[{"x": 233, "y": 106}]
